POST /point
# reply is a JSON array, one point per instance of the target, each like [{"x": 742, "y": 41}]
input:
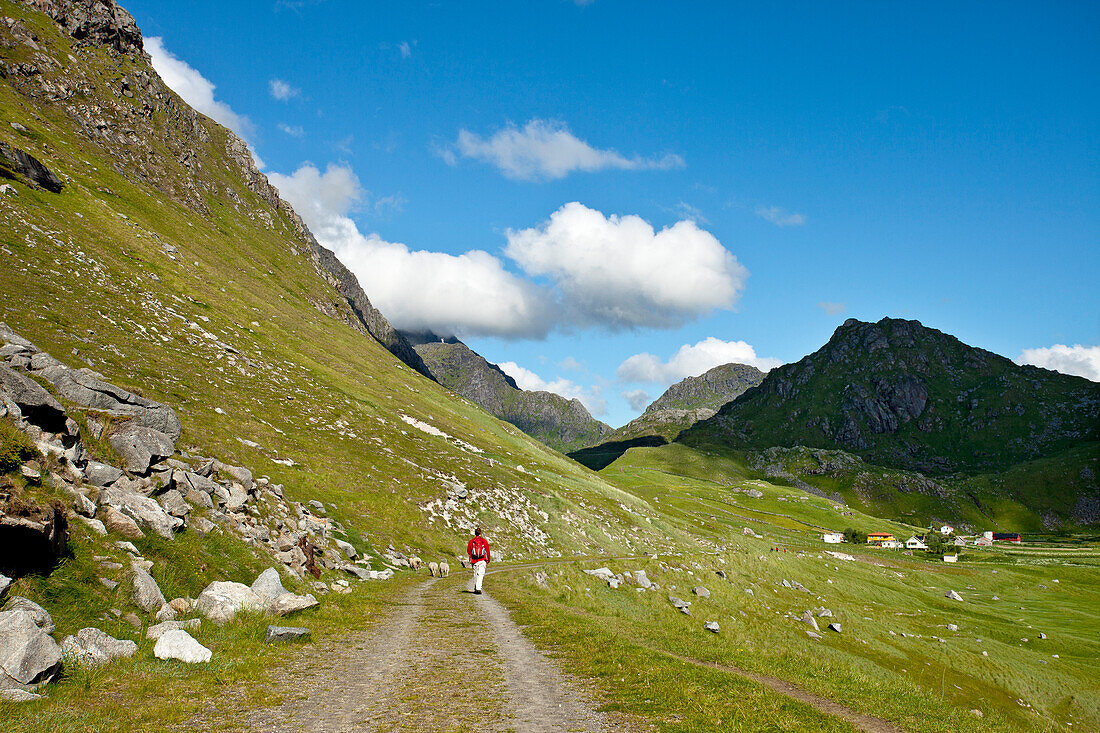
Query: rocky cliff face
[
  {"x": 151, "y": 134},
  {"x": 710, "y": 390},
  {"x": 902, "y": 395},
  {"x": 552, "y": 419}
]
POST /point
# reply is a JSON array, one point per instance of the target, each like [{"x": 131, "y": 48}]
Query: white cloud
[
  {"x": 591, "y": 397},
  {"x": 570, "y": 364},
  {"x": 405, "y": 49},
  {"x": 395, "y": 202},
  {"x": 195, "y": 89},
  {"x": 1082, "y": 361},
  {"x": 295, "y": 131},
  {"x": 832, "y": 309},
  {"x": 545, "y": 149},
  {"x": 691, "y": 361},
  {"x": 618, "y": 272},
  {"x": 638, "y": 399},
  {"x": 282, "y": 91},
  {"x": 780, "y": 217},
  {"x": 469, "y": 294}
]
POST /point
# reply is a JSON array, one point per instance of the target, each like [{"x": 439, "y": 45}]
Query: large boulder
[
  {"x": 41, "y": 616},
  {"x": 28, "y": 655},
  {"x": 237, "y": 473},
  {"x": 86, "y": 388},
  {"x": 147, "y": 594},
  {"x": 91, "y": 647},
  {"x": 147, "y": 512},
  {"x": 116, "y": 521},
  {"x": 140, "y": 446},
  {"x": 269, "y": 586},
  {"x": 289, "y": 603},
  {"x": 16, "y": 163},
  {"x": 101, "y": 474},
  {"x": 178, "y": 644},
  {"x": 222, "y": 600},
  {"x": 36, "y": 404},
  {"x": 172, "y": 501}
]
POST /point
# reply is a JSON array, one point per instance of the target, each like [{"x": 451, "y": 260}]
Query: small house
[
  {"x": 833, "y": 538},
  {"x": 951, "y": 558},
  {"x": 960, "y": 541},
  {"x": 915, "y": 543},
  {"x": 947, "y": 529},
  {"x": 877, "y": 538},
  {"x": 984, "y": 541}
]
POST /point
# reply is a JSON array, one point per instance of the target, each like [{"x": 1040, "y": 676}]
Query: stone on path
[
  {"x": 92, "y": 647},
  {"x": 285, "y": 633},
  {"x": 178, "y": 644}
]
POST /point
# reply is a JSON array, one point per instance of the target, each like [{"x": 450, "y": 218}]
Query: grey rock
[
  {"x": 237, "y": 498},
  {"x": 290, "y": 603},
  {"x": 140, "y": 446},
  {"x": 91, "y": 647},
  {"x": 41, "y": 616},
  {"x": 17, "y": 695},
  {"x": 116, "y": 521},
  {"x": 178, "y": 644},
  {"x": 808, "y": 618},
  {"x": 242, "y": 475},
  {"x": 101, "y": 474},
  {"x": 824, "y": 613},
  {"x": 952, "y": 627},
  {"x": 317, "y": 506},
  {"x": 158, "y": 630},
  {"x": 814, "y": 635},
  {"x": 166, "y": 613},
  {"x": 701, "y": 591},
  {"x": 347, "y": 548},
  {"x": 359, "y": 572},
  {"x": 834, "y": 627},
  {"x": 5, "y": 583},
  {"x": 222, "y": 600},
  {"x": 142, "y": 509},
  {"x": 641, "y": 580},
  {"x": 173, "y": 503},
  {"x": 754, "y": 494},
  {"x": 28, "y": 655},
  {"x": 679, "y": 603},
  {"x": 36, "y": 404},
  {"x": 199, "y": 498},
  {"x": 147, "y": 595},
  {"x": 202, "y": 525},
  {"x": 277, "y": 634},
  {"x": 952, "y": 595},
  {"x": 711, "y": 626},
  {"x": 269, "y": 586},
  {"x": 29, "y": 167},
  {"x": 97, "y": 526},
  {"x": 86, "y": 388}
]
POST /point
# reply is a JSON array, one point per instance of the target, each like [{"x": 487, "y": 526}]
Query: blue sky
[{"x": 721, "y": 181}]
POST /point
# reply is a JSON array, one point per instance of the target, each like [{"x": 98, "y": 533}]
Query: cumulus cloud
[
  {"x": 780, "y": 216},
  {"x": 1082, "y": 361},
  {"x": 570, "y": 364},
  {"x": 619, "y": 273},
  {"x": 195, "y": 89},
  {"x": 469, "y": 294},
  {"x": 638, "y": 399},
  {"x": 832, "y": 309},
  {"x": 546, "y": 149},
  {"x": 293, "y": 131},
  {"x": 591, "y": 397},
  {"x": 691, "y": 361},
  {"x": 282, "y": 91}
]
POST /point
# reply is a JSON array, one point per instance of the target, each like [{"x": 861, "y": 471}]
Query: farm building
[
  {"x": 960, "y": 541},
  {"x": 1006, "y": 537},
  {"x": 891, "y": 545},
  {"x": 876, "y": 538},
  {"x": 915, "y": 543},
  {"x": 984, "y": 541},
  {"x": 833, "y": 538},
  {"x": 946, "y": 529}
]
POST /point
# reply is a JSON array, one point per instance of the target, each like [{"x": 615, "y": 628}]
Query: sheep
[
  {"x": 433, "y": 568},
  {"x": 415, "y": 562},
  {"x": 444, "y": 570}
]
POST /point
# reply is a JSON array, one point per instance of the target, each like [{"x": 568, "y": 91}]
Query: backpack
[{"x": 478, "y": 550}]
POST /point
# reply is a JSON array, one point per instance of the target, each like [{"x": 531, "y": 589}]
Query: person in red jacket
[{"x": 478, "y": 550}]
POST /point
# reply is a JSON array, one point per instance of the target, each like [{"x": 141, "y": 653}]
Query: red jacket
[{"x": 481, "y": 546}]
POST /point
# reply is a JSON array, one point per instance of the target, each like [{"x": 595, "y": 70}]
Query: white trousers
[{"x": 479, "y": 575}]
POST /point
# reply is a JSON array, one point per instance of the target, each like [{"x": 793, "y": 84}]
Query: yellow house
[{"x": 877, "y": 538}]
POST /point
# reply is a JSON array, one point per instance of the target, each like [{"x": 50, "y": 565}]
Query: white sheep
[
  {"x": 444, "y": 570},
  {"x": 433, "y": 568},
  {"x": 415, "y": 562}
]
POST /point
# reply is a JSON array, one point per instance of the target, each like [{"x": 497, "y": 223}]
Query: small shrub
[{"x": 15, "y": 448}]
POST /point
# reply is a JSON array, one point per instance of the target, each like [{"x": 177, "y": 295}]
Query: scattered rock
[
  {"x": 290, "y": 603},
  {"x": 808, "y": 618},
  {"x": 825, "y": 613},
  {"x": 18, "y": 695},
  {"x": 1042, "y": 635},
  {"x": 221, "y": 600},
  {"x": 92, "y": 647},
  {"x": 269, "y": 586},
  {"x": 834, "y": 627},
  {"x": 952, "y": 595},
  {"x": 29, "y": 167},
  {"x": 814, "y": 635},
  {"x": 158, "y": 630},
  {"x": 5, "y": 583},
  {"x": 36, "y": 404},
  {"x": 701, "y": 591},
  {"x": 147, "y": 595},
  {"x": 147, "y": 512},
  {"x": 277, "y": 634},
  {"x": 140, "y": 447},
  {"x": 166, "y": 613},
  {"x": 116, "y": 521},
  {"x": 178, "y": 644},
  {"x": 641, "y": 580},
  {"x": 976, "y": 713},
  {"x": 317, "y": 506},
  {"x": 28, "y": 655},
  {"x": 101, "y": 474},
  {"x": 711, "y": 626},
  {"x": 952, "y": 627},
  {"x": 347, "y": 549}
]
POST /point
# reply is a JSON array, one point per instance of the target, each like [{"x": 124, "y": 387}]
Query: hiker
[{"x": 478, "y": 550}]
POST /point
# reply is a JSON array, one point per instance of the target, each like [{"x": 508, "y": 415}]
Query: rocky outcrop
[
  {"x": 19, "y": 165},
  {"x": 560, "y": 423},
  {"x": 710, "y": 390},
  {"x": 94, "y": 22}
]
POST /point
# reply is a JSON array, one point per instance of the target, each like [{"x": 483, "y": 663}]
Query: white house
[
  {"x": 960, "y": 541},
  {"x": 950, "y": 558},
  {"x": 915, "y": 543},
  {"x": 984, "y": 541},
  {"x": 892, "y": 545},
  {"x": 833, "y": 538},
  {"x": 946, "y": 529}
]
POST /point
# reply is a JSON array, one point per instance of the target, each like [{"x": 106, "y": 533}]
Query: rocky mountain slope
[
  {"x": 680, "y": 406},
  {"x": 558, "y": 422},
  {"x": 901, "y": 395}
]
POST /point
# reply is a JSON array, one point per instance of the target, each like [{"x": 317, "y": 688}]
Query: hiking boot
[{"x": 477, "y": 593}]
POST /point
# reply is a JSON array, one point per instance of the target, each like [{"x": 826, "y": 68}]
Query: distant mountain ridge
[
  {"x": 560, "y": 423},
  {"x": 902, "y": 395}
]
